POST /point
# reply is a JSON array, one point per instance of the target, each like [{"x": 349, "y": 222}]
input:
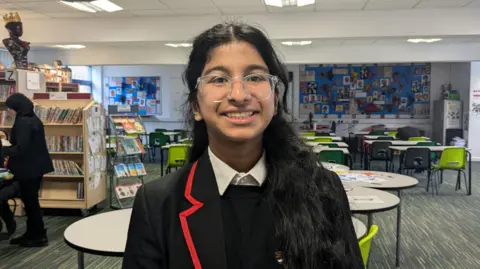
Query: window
[{"x": 82, "y": 75}]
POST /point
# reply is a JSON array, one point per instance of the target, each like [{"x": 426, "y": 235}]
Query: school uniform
[{"x": 207, "y": 215}]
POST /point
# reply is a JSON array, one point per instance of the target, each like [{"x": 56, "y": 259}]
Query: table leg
[
  {"x": 399, "y": 218},
  {"x": 369, "y": 225},
  {"x": 80, "y": 260},
  {"x": 469, "y": 173}
]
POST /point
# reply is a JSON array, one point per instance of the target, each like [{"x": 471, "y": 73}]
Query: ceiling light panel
[{"x": 93, "y": 6}]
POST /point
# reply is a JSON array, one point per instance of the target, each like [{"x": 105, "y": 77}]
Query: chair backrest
[
  {"x": 417, "y": 138},
  {"x": 453, "y": 158},
  {"x": 417, "y": 158},
  {"x": 379, "y": 149},
  {"x": 177, "y": 155},
  {"x": 323, "y": 139},
  {"x": 376, "y": 133},
  {"x": 335, "y": 146},
  {"x": 426, "y": 143},
  {"x": 394, "y": 134},
  {"x": 157, "y": 139},
  {"x": 386, "y": 138},
  {"x": 366, "y": 243},
  {"x": 307, "y": 134},
  {"x": 331, "y": 156},
  {"x": 321, "y": 134},
  {"x": 161, "y": 130}
]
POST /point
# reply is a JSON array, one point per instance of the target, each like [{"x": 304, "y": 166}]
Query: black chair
[
  {"x": 379, "y": 151},
  {"x": 388, "y": 138},
  {"x": 418, "y": 160}
]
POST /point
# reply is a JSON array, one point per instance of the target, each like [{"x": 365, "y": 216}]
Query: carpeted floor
[{"x": 439, "y": 232}]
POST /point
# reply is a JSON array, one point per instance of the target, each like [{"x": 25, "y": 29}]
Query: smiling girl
[{"x": 252, "y": 196}]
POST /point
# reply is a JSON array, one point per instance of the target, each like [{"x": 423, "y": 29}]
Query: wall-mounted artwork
[
  {"x": 144, "y": 91},
  {"x": 366, "y": 91}
]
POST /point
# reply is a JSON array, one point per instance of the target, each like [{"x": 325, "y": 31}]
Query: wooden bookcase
[{"x": 76, "y": 191}]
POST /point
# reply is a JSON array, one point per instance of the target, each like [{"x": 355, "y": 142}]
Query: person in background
[
  {"x": 9, "y": 188},
  {"x": 252, "y": 194},
  {"x": 28, "y": 161}
]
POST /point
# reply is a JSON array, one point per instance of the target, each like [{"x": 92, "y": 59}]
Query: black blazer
[
  {"x": 176, "y": 222},
  {"x": 28, "y": 155}
]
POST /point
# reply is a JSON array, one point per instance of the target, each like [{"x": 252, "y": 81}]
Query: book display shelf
[
  {"x": 125, "y": 151},
  {"x": 74, "y": 130}
]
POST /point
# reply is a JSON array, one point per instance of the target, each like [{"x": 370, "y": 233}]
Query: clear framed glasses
[{"x": 219, "y": 87}]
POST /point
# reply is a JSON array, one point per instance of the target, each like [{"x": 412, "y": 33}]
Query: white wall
[{"x": 474, "y": 118}]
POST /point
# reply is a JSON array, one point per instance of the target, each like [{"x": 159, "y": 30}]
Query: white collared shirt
[{"x": 225, "y": 175}]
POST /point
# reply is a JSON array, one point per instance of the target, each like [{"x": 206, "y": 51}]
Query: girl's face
[{"x": 240, "y": 116}]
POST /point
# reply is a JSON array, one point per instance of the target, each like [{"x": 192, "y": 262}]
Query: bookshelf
[
  {"x": 75, "y": 131},
  {"x": 126, "y": 168}
]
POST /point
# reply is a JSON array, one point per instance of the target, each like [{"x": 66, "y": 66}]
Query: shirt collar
[{"x": 224, "y": 173}]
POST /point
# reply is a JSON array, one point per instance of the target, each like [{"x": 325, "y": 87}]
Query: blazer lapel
[{"x": 202, "y": 223}]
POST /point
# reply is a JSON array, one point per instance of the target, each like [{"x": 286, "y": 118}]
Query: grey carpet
[{"x": 439, "y": 232}]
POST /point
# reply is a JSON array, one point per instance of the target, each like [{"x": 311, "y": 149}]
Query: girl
[{"x": 252, "y": 196}]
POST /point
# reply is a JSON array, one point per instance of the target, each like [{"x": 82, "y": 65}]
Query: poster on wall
[
  {"x": 366, "y": 90},
  {"x": 144, "y": 91}
]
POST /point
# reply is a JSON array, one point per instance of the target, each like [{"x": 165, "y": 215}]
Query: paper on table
[{"x": 364, "y": 200}]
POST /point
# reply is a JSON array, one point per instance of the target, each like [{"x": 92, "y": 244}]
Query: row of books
[
  {"x": 129, "y": 125},
  {"x": 6, "y": 90},
  {"x": 6, "y": 118},
  {"x": 64, "y": 167},
  {"x": 130, "y": 146},
  {"x": 64, "y": 143},
  {"x": 80, "y": 191},
  {"x": 130, "y": 170},
  {"x": 59, "y": 115}
]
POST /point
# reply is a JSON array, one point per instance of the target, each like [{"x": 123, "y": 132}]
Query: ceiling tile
[
  {"x": 309, "y": 8},
  {"x": 153, "y": 12},
  {"x": 45, "y": 7},
  {"x": 29, "y": 15},
  {"x": 197, "y": 11},
  {"x": 237, "y": 3},
  {"x": 66, "y": 15},
  {"x": 118, "y": 14},
  {"x": 333, "y": 5},
  {"x": 391, "y": 4},
  {"x": 140, "y": 4},
  {"x": 243, "y": 10},
  {"x": 473, "y": 4},
  {"x": 188, "y": 4},
  {"x": 424, "y": 4}
]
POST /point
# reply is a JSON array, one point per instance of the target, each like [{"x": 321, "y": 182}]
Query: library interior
[{"x": 126, "y": 141}]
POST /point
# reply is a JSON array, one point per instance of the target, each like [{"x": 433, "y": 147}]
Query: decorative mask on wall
[{"x": 17, "y": 48}]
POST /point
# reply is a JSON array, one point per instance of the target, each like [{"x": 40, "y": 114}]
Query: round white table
[
  {"x": 384, "y": 181},
  {"x": 103, "y": 234},
  {"x": 360, "y": 228},
  {"x": 335, "y": 167}
]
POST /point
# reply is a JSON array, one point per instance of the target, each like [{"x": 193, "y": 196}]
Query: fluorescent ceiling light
[
  {"x": 289, "y": 3},
  {"x": 179, "y": 45},
  {"x": 296, "y": 43},
  {"x": 70, "y": 46},
  {"x": 423, "y": 40},
  {"x": 93, "y": 6}
]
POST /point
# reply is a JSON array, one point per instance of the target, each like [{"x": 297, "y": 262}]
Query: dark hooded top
[{"x": 28, "y": 156}]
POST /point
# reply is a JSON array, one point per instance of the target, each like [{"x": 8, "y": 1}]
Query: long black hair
[{"x": 299, "y": 204}]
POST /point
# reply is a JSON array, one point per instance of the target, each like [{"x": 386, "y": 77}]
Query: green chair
[
  {"x": 177, "y": 156},
  {"x": 365, "y": 244},
  {"x": 307, "y": 134},
  {"x": 454, "y": 159},
  {"x": 161, "y": 130},
  {"x": 156, "y": 140},
  {"x": 394, "y": 134},
  {"x": 335, "y": 146},
  {"x": 322, "y": 134},
  {"x": 331, "y": 156},
  {"x": 433, "y": 155},
  {"x": 377, "y": 133},
  {"x": 417, "y": 139},
  {"x": 323, "y": 139}
]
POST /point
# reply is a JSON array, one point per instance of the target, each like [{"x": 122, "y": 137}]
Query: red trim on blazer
[{"x": 183, "y": 217}]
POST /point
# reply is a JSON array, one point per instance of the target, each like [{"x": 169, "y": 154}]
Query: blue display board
[
  {"x": 364, "y": 91},
  {"x": 144, "y": 91}
]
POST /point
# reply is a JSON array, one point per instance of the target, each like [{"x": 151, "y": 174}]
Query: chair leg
[
  {"x": 428, "y": 181},
  {"x": 458, "y": 186},
  {"x": 465, "y": 178}
]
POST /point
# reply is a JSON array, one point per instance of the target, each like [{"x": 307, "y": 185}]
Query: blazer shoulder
[
  {"x": 325, "y": 177},
  {"x": 167, "y": 186}
]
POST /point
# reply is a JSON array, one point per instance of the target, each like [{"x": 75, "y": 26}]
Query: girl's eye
[
  {"x": 218, "y": 80},
  {"x": 256, "y": 78}
]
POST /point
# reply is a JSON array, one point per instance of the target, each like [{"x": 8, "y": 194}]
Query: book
[
  {"x": 67, "y": 168},
  {"x": 132, "y": 169},
  {"x": 140, "y": 169},
  {"x": 64, "y": 143},
  {"x": 59, "y": 115},
  {"x": 120, "y": 171},
  {"x": 131, "y": 146}
]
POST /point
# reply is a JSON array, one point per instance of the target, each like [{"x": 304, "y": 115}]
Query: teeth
[{"x": 239, "y": 115}]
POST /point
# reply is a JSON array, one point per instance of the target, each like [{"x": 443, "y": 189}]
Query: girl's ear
[{"x": 196, "y": 112}]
